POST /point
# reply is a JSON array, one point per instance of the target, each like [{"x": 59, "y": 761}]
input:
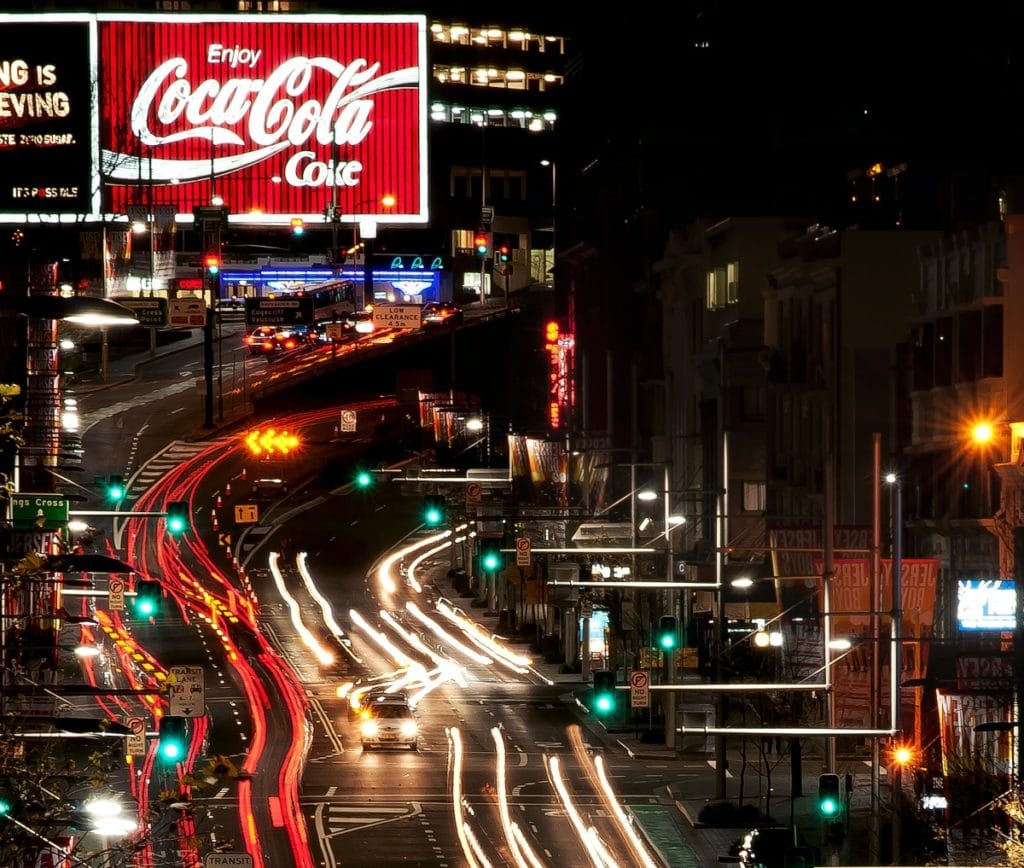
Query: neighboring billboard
[
  {"x": 46, "y": 137},
  {"x": 986, "y": 604},
  {"x": 281, "y": 116}
]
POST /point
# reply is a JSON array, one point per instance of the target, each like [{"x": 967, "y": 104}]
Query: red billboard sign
[{"x": 281, "y": 117}]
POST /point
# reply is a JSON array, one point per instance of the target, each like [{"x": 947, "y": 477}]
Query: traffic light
[
  {"x": 604, "y": 692},
  {"x": 171, "y": 747},
  {"x": 177, "y": 517},
  {"x": 482, "y": 243},
  {"x": 211, "y": 262},
  {"x": 490, "y": 555},
  {"x": 148, "y": 598},
  {"x": 364, "y": 479},
  {"x": 9, "y": 799},
  {"x": 668, "y": 635},
  {"x": 504, "y": 254},
  {"x": 435, "y": 510},
  {"x": 298, "y": 226},
  {"x": 115, "y": 489},
  {"x": 830, "y": 801}
]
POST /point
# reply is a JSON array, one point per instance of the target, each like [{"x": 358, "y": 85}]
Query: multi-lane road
[{"x": 504, "y": 774}]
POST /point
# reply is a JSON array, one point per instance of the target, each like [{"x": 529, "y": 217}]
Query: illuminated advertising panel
[
  {"x": 45, "y": 112},
  {"x": 281, "y": 117},
  {"x": 986, "y": 604}
]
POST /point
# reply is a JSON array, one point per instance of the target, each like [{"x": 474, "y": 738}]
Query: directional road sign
[
  {"x": 279, "y": 311},
  {"x": 44, "y": 511},
  {"x": 639, "y": 689},
  {"x": 188, "y": 691},
  {"x": 247, "y": 513},
  {"x": 150, "y": 312}
]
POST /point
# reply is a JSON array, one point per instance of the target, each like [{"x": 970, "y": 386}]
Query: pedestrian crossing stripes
[{"x": 340, "y": 819}]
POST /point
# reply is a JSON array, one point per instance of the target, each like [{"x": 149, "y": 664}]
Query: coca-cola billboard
[{"x": 281, "y": 117}]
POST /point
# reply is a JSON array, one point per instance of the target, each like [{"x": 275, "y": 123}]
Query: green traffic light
[
  {"x": 175, "y": 524},
  {"x": 829, "y": 807},
  {"x": 364, "y": 479},
  {"x": 668, "y": 641},
  {"x": 115, "y": 492},
  {"x": 433, "y": 516},
  {"x": 170, "y": 750},
  {"x": 5, "y": 806},
  {"x": 491, "y": 561},
  {"x": 605, "y": 704}
]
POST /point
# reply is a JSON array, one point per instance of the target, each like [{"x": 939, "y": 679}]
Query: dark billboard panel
[
  {"x": 45, "y": 115},
  {"x": 280, "y": 116}
]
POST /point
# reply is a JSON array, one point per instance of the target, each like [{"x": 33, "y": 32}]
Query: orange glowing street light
[
  {"x": 270, "y": 442},
  {"x": 902, "y": 754},
  {"x": 982, "y": 433}
]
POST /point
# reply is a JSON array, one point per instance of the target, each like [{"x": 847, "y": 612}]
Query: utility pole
[{"x": 211, "y": 220}]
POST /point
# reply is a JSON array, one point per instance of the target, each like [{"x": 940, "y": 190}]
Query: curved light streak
[
  {"x": 594, "y": 769},
  {"x": 470, "y": 846},
  {"x": 445, "y": 636},
  {"x": 592, "y": 845},
  {"x": 410, "y": 573},
  {"x": 516, "y": 662},
  {"x": 384, "y": 576},
  {"x": 392, "y": 650},
  {"x": 322, "y": 655},
  {"x": 521, "y": 851},
  {"x": 456, "y": 672},
  {"x": 324, "y": 603}
]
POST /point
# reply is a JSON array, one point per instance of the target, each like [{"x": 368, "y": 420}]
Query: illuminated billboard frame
[
  {"x": 245, "y": 107},
  {"x": 257, "y": 99},
  {"x": 48, "y": 144},
  {"x": 986, "y": 604}
]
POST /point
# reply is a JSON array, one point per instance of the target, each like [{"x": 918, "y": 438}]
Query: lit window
[
  {"x": 753, "y": 496},
  {"x": 732, "y": 281}
]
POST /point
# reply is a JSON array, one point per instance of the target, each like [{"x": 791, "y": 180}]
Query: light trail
[
  {"x": 384, "y": 576},
  {"x": 521, "y": 851},
  {"x": 322, "y": 655},
  {"x": 594, "y": 769},
  {"x": 325, "y": 606},
  {"x": 456, "y": 672},
  {"x": 502, "y": 655},
  {"x": 591, "y": 841},
  {"x": 439, "y": 631},
  {"x": 470, "y": 845}
]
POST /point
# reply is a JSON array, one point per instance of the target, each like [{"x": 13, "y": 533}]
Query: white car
[{"x": 388, "y": 723}]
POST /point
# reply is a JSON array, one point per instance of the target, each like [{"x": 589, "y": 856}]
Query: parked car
[{"x": 437, "y": 312}]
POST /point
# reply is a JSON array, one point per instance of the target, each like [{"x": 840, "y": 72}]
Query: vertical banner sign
[
  {"x": 45, "y": 110},
  {"x": 187, "y": 691},
  {"x": 283, "y": 116}
]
